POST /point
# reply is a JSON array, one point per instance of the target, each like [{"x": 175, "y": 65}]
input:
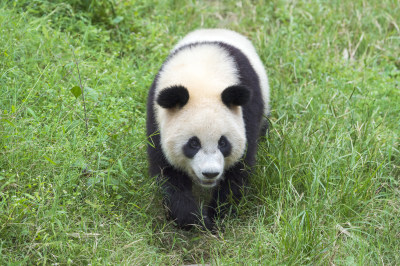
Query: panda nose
[{"x": 210, "y": 174}]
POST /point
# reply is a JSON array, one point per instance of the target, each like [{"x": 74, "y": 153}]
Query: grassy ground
[{"x": 326, "y": 189}]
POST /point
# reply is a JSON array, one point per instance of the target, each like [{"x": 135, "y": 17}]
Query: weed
[{"x": 326, "y": 186}]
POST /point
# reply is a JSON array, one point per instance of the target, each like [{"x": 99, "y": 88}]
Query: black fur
[
  {"x": 224, "y": 146},
  {"x": 191, "y": 147},
  {"x": 173, "y": 96},
  {"x": 229, "y": 191},
  {"x": 179, "y": 201},
  {"x": 176, "y": 185},
  {"x": 235, "y": 95}
]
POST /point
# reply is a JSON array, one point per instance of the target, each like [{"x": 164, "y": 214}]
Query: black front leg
[
  {"x": 230, "y": 190},
  {"x": 179, "y": 201}
]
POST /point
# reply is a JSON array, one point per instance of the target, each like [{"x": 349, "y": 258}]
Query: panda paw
[
  {"x": 207, "y": 224},
  {"x": 188, "y": 222}
]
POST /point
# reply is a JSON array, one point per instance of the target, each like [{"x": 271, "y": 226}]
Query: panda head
[{"x": 203, "y": 136}]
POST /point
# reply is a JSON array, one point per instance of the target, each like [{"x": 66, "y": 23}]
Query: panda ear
[
  {"x": 173, "y": 96},
  {"x": 236, "y": 95}
]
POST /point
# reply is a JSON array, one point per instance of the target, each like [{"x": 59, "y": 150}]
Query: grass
[{"x": 326, "y": 188}]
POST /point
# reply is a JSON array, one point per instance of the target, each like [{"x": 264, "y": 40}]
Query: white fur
[
  {"x": 236, "y": 40},
  {"x": 205, "y": 70},
  {"x": 208, "y": 161}
]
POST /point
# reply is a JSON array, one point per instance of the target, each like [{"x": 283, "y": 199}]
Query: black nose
[{"x": 210, "y": 174}]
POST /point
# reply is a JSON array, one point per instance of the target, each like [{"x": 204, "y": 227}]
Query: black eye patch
[
  {"x": 224, "y": 146},
  {"x": 191, "y": 147}
]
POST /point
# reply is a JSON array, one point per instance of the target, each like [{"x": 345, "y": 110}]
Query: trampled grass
[{"x": 326, "y": 186}]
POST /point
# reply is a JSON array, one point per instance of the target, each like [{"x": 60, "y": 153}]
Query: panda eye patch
[
  {"x": 194, "y": 143},
  {"x": 191, "y": 147},
  {"x": 224, "y": 146}
]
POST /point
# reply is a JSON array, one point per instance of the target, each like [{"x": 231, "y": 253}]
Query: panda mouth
[{"x": 207, "y": 183}]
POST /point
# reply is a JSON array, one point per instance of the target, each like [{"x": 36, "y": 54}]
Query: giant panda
[{"x": 206, "y": 110}]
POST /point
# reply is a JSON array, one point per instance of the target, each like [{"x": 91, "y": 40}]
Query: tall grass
[{"x": 326, "y": 187}]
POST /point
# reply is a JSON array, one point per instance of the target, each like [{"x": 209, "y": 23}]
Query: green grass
[{"x": 326, "y": 187}]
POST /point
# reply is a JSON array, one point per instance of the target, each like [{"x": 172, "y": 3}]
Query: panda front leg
[
  {"x": 229, "y": 191},
  {"x": 179, "y": 201}
]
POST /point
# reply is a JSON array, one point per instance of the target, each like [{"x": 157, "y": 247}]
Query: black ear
[
  {"x": 173, "y": 96},
  {"x": 235, "y": 95}
]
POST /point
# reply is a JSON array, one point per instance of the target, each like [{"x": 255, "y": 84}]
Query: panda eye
[
  {"x": 224, "y": 146},
  {"x": 191, "y": 147},
  {"x": 194, "y": 143},
  {"x": 222, "y": 142}
]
